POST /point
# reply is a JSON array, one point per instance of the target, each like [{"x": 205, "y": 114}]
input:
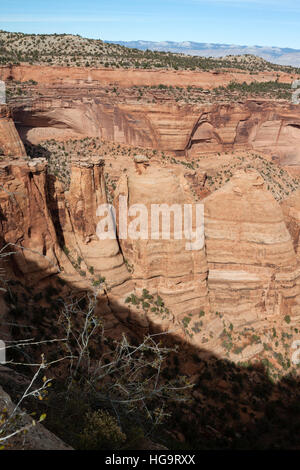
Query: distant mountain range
[{"x": 277, "y": 55}]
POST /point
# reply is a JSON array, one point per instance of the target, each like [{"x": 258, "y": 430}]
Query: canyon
[
  {"x": 76, "y": 138},
  {"x": 65, "y": 103},
  {"x": 248, "y": 269}
]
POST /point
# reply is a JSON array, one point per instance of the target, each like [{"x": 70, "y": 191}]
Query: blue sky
[{"x": 246, "y": 22}]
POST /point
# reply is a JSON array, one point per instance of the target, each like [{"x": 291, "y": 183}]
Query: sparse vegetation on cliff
[
  {"x": 70, "y": 50},
  {"x": 194, "y": 95},
  {"x": 114, "y": 384},
  {"x": 20, "y": 92},
  {"x": 59, "y": 156},
  {"x": 278, "y": 181}
]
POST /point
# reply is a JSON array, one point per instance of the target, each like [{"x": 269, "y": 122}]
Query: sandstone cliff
[
  {"x": 26, "y": 222},
  {"x": 247, "y": 271},
  {"x": 136, "y": 77},
  {"x": 291, "y": 211},
  {"x": 253, "y": 268},
  {"x": 185, "y": 129},
  {"x": 10, "y": 142},
  {"x": 165, "y": 267},
  {"x": 69, "y": 102},
  {"x": 261, "y": 126}
]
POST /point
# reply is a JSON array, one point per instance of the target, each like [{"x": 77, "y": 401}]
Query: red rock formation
[
  {"x": 38, "y": 219},
  {"x": 164, "y": 267},
  {"x": 136, "y": 77},
  {"x": 74, "y": 102},
  {"x": 185, "y": 129},
  {"x": 253, "y": 268},
  {"x": 10, "y": 142},
  {"x": 291, "y": 211},
  {"x": 87, "y": 192},
  {"x": 26, "y": 221},
  {"x": 248, "y": 270},
  {"x": 255, "y": 125}
]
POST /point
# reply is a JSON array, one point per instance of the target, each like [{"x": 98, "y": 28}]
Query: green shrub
[{"x": 101, "y": 432}]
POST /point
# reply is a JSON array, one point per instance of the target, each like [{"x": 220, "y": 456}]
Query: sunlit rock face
[
  {"x": 73, "y": 102},
  {"x": 247, "y": 268},
  {"x": 10, "y": 142},
  {"x": 266, "y": 126},
  {"x": 185, "y": 129},
  {"x": 291, "y": 211},
  {"x": 164, "y": 266},
  {"x": 253, "y": 268}
]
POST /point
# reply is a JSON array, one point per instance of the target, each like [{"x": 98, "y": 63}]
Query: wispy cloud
[
  {"x": 289, "y": 5},
  {"x": 68, "y": 19}
]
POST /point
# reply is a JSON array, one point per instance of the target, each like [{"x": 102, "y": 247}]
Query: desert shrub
[{"x": 101, "y": 432}]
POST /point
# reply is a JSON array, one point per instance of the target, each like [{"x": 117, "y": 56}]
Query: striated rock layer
[
  {"x": 86, "y": 193},
  {"x": 74, "y": 102},
  {"x": 136, "y": 77},
  {"x": 10, "y": 142},
  {"x": 184, "y": 129},
  {"x": 36, "y": 438},
  {"x": 291, "y": 211},
  {"x": 253, "y": 268},
  {"x": 254, "y": 125},
  {"x": 52, "y": 233},
  {"x": 164, "y": 266},
  {"x": 247, "y": 270},
  {"x": 26, "y": 221}
]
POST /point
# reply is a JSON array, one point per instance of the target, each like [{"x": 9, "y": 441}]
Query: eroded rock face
[
  {"x": 75, "y": 102},
  {"x": 247, "y": 271},
  {"x": 291, "y": 211},
  {"x": 10, "y": 142},
  {"x": 26, "y": 222},
  {"x": 86, "y": 194},
  {"x": 166, "y": 127},
  {"x": 164, "y": 267},
  {"x": 183, "y": 129},
  {"x": 254, "y": 125},
  {"x": 135, "y": 77},
  {"x": 253, "y": 268},
  {"x": 96, "y": 263}
]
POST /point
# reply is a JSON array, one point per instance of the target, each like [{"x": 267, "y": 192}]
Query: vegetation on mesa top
[
  {"x": 59, "y": 154},
  {"x": 233, "y": 92},
  {"x": 71, "y": 50}
]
